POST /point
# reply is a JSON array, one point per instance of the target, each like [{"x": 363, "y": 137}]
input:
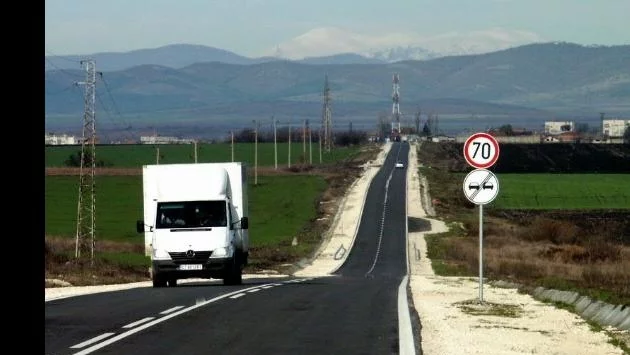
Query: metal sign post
[
  {"x": 481, "y": 186},
  {"x": 481, "y": 253}
]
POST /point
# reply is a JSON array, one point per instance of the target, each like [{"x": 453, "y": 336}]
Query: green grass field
[
  {"x": 277, "y": 212},
  {"x": 134, "y": 156},
  {"x": 563, "y": 191}
]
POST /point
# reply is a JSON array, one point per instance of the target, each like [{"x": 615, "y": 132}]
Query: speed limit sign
[{"x": 481, "y": 150}]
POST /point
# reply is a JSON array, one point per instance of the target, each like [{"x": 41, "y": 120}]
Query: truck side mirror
[
  {"x": 140, "y": 226},
  {"x": 244, "y": 223}
]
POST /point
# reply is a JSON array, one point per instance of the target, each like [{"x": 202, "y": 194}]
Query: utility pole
[
  {"x": 304, "y": 139},
  {"x": 157, "y": 147},
  {"x": 320, "y": 145},
  {"x": 437, "y": 127},
  {"x": 310, "y": 147},
  {"x": 275, "y": 143},
  {"x": 195, "y": 147},
  {"x": 232, "y": 146},
  {"x": 289, "y": 160},
  {"x": 255, "y": 152},
  {"x": 86, "y": 210},
  {"x": 327, "y": 118}
]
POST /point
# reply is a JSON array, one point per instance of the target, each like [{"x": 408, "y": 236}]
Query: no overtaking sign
[{"x": 481, "y": 186}]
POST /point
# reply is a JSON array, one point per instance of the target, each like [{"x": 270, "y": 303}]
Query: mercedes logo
[{"x": 190, "y": 253}]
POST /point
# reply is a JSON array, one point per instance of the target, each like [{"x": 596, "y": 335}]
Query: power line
[
  {"x": 74, "y": 75},
  {"x": 124, "y": 131},
  {"x": 111, "y": 97},
  {"x": 63, "y": 57},
  {"x": 109, "y": 93},
  {"x": 72, "y": 86}
]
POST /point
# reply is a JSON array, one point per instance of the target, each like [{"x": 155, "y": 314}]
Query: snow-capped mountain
[
  {"x": 399, "y": 46},
  {"x": 397, "y": 54}
]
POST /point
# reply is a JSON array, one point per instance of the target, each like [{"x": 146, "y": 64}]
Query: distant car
[{"x": 400, "y": 165}]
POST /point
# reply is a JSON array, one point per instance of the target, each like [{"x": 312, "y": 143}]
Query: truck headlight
[
  {"x": 222, "y": 252},
  {"x": 161, "y": 254}
]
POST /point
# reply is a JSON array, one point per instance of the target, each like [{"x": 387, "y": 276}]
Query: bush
[
  {"x": 74, "y": 160},
  {"x": 555, "y": 231}
]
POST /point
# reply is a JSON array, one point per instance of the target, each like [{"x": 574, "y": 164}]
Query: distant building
[
  {"x": 557, "y": 127},
  {"x": 564, "y": 137},
  {"x": 164, "y": 140},
  {"x": 512, "y": 131},
  {"x": 551, "y": 139},
  {"x": 615, "y": 128},
  {"x": 569, "y": 137},
  {"x": 442, "y": 138},
  {"x": 63, "y": 139}
]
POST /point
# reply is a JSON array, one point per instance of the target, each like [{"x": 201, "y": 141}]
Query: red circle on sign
[{"x": 470, "y": 160}]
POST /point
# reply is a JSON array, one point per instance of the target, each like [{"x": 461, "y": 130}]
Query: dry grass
[
  {"x": 512, "y": 253},
  {"x": 61, "y": 264}
]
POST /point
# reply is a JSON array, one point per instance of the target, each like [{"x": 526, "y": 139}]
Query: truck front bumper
[{"x": 212, "y": 268}]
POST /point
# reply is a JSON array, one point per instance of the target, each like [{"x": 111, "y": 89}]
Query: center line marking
[
  {"x": 93, "y": 340},
  {"x": 131, "y": 325},
  {"x": 171, "y": 310},
  {"x": 151, "y": 323}
]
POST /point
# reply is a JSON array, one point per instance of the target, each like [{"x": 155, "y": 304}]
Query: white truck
[{"x": 195, "y": 221}]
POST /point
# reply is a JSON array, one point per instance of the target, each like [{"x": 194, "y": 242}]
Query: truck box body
[{"x": 193, "y": 220}]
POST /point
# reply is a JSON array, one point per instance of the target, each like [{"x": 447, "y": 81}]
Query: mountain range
[
  {"x": 327, "y": 45},
  {"x": 190, "y": 82}
]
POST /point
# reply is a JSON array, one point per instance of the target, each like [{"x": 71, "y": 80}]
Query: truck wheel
[
  {"x": 234, "y": 274},
  {"x": 172, "y": 283},
  {"x": 158, "y": 281}
]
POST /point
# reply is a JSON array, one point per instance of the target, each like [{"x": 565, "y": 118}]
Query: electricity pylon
[{"x": 86, "y": 211}]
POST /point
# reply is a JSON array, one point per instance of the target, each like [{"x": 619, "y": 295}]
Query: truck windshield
[{"x": 191, "y": 214}]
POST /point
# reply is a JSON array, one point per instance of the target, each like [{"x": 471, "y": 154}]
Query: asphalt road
[{"x": 355, "y": 311}]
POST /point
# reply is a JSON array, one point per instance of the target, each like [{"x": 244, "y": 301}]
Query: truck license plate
[{"x": 191, "y": 267}]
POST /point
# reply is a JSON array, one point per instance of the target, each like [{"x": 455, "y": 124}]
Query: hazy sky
[{"x": 248, "y": 27}]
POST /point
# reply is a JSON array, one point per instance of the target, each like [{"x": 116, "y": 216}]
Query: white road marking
[
  {"x": 406, "y": 344},
  {"x": 405, "y": 333},
  {"x": 171, "y": 310},
  {"x": 268, "y": 286},
  {"x": 254, "y": 290},
  {"x": 237, "y": 296},
  {"x": 153, "y": 322},
  {"x": 131, "y": 325},
  {"x": 93, "y": 340},
  {"x": 380, "y": 236}
]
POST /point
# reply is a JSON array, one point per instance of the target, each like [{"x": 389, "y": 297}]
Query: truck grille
[{"x": 198, "y": 257}]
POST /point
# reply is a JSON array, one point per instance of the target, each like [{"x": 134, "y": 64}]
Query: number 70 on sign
[{"x": 481, "y": 150}]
